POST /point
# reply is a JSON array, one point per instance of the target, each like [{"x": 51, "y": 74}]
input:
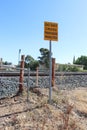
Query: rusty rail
[{"x": 33, "y": 73}]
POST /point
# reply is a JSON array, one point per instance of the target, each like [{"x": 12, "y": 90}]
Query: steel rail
[{"x": 7, "y": 74}]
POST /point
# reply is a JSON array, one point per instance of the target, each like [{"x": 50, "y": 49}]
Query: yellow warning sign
[{"x": 50, "y": 31}]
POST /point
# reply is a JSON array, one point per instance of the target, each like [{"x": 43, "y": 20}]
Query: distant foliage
[
  {"x": 44, "y": 58},
  {"x": 68, "y": 68},
  {"x": 31, "y": 63},
  {"x": 7, "y": 63},
  {"x": 82, "y": 61},
  {"x": 73, "y": 59}
]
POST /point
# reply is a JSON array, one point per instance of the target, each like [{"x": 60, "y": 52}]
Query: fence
[
  {"x": 9, "y": 86},
  {"x": 39, "y": 78}
]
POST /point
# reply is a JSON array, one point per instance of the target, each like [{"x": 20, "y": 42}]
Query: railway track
[{"x": 16, "y": 73}]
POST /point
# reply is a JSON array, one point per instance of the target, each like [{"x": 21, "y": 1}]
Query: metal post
[
  {"x": 21, "y": 74},
  {"x": 50, "y": 74},
  {"x": 53, "y": 72}
]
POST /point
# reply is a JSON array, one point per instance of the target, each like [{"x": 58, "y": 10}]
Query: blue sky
[{"x": 22, "y": 27}]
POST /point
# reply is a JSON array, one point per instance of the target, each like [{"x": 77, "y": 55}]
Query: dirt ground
[{"x": 67, "y": 111}]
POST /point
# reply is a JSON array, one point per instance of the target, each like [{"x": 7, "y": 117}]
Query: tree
[
  {"x": 31, "y": 62},
  {"x": 73, "y": 59},
  {"x": 7, "y": 63},
  {"x": 81, "y": 61},
  {"x": 44, "y": 58},
  {"x": 34, "y": 65}
]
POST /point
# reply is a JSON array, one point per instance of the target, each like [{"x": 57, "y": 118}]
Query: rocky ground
[{"x": 67, "y": 111}]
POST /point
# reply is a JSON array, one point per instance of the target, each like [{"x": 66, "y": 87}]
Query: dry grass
[
  {"x": 79, "y": 98},
  {"x": 67, "y": 111}
]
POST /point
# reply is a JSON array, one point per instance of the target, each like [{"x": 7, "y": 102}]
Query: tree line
[{"x": 43, "y": 59}]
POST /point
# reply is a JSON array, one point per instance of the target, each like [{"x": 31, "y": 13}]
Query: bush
[{"x": 68, "y": 68}]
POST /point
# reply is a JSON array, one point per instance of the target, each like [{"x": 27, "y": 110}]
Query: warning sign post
[
  {"x": 50, "y": 31},
  {"x": 51, "y": 34}
]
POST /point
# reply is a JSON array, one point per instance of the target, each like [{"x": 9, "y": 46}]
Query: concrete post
[{"x": 21, "y": 74}]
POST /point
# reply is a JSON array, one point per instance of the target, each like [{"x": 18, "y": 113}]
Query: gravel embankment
[{"x": 10, "y": 85}]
